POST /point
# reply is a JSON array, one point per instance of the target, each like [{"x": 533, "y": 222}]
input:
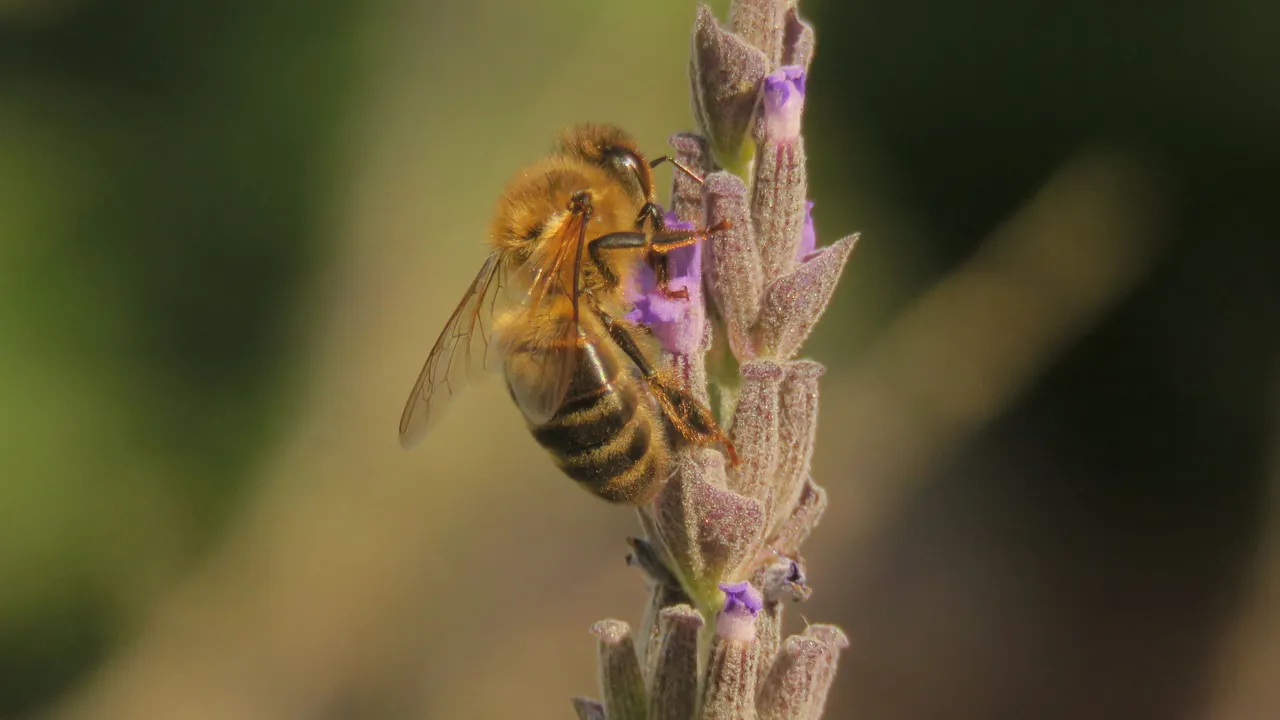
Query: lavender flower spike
[{"x": 724, "y": 541}]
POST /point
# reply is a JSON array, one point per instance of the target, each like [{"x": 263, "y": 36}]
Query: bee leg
[
  {"x": 651, "y": 212},
  {"x": 690, "y": 418},
  {"x": 687, "y": 415},
  {"x": 663, "y": 243},
  {"x": 655, "y": 246},
  {"x": 660, "y": 242},
  {"x": 662, "y": 274}
]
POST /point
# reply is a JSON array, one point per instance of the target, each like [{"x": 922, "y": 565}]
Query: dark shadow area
[{"x": 1080, "y": 558}]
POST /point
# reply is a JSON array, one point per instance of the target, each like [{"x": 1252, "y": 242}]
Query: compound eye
[{"x": 629, "y": 168}]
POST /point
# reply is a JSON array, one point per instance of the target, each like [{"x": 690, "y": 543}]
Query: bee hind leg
[{"x": 690, "y": 418}]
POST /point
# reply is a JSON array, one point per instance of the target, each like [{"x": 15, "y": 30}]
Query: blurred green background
[{"x": 230, "y": 231}]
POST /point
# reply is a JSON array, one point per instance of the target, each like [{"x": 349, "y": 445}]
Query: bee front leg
[
  {"x": 659, "y": 263},
  {"x": 651, "y": 213},
  {"x": 655, "y": 245}
]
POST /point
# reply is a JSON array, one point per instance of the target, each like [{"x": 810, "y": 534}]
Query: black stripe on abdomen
[
  {"x": 597, "y": 436},
  {"x": 594, "y": 411},
  {"x": 617, "y": 470},
  {"x": 585, "y": 423},
  {"x": 602, "y": 443}
]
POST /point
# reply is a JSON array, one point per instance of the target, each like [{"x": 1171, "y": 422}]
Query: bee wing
[
  {"x": 461, "y": 355},
  {"x": 549, "y": 353}
]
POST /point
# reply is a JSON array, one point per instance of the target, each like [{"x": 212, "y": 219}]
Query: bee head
[{"x": 613, "y": 150}]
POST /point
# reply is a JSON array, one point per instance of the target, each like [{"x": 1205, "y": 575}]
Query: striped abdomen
[{"x": 606, "y": 435}]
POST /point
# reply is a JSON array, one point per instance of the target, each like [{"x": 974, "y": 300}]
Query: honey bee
[{"x": 547, "y": 310}]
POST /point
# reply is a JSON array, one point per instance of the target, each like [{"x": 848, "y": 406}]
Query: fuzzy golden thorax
[{"x": 535, "y": 219}]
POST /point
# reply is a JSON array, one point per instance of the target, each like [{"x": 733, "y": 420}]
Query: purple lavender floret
[
  {"x": 741, "y": 598},
  {"x": 783, "y": 102},
  {"x": 676, "y": 322},
  {"x": 742, "y": 603}
]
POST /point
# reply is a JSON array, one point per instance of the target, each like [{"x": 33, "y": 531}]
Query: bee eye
[
  {"x": 629, "y": 166},
  {"x": 625, "y": 159}
]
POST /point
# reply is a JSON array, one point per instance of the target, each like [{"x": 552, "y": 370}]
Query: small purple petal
[
  {"x": 685, "y": 262},
  {"x": 783, "y": 103},
  {"x": 741, "y": 597},
  {"x": 673, "y": 222},
  {"x": 808, "y": 236},
  {"x": 796, "y": 75},
  {"x": 677, "y": 323},
  {"x": 742, "y": 602}
]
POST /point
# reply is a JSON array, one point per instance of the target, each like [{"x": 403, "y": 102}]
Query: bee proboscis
[{"x": 547, "y": 309}]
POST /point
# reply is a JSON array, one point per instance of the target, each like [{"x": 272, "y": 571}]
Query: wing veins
[
  {"x": 436, "y": 383},
  {"x": 541, "y": 395}
]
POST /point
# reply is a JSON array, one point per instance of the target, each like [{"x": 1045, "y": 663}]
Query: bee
[{"x": 547, "y": 311}]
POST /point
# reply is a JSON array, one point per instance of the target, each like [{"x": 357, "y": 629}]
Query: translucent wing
[
  {"x": 461, "y": 355},
  {"x": 545, "y": 358}
]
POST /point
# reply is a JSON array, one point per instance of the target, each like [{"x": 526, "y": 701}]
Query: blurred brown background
[{"x": 230, "y": 231}]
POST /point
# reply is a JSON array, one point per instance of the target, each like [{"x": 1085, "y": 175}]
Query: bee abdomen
[
  {"x": 586, "y": 422},
  {"x": 605, "y": 443}
]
